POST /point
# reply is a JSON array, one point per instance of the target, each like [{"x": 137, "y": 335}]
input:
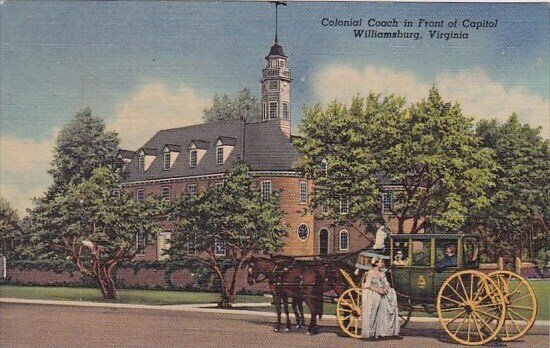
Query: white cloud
[
  {"x": 478, "y": 95},
  {"x": 23, "y": 169},
  {"x": 153, "y": 107}
]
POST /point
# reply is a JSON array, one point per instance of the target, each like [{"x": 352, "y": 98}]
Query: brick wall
[{"x": 150, "y": 277}]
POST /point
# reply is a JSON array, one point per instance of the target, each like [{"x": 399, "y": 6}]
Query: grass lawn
[
  {"x": 161, "y": 297},
  {"x": 149, "y": 297}
]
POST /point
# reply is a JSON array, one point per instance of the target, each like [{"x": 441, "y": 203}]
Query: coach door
[{"x": 323, "y": 242}]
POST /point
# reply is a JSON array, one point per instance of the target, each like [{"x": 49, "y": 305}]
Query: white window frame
[
  {"x": 344, "y": 206},
  {"x": 303, "y": 192},
  {"x": 194, "y": 191},
  {"x": 275, "y": 110},
  {"x": 141, "y": 243},
  {"x": 387, "y": 202},
  {"x": 141, "y": 162},
  {"x": 219, "y": 185},
  {"x": 266, "y": 189},
  {"x": 140, "y": 195},
  {"x": 191, "y": 153},
  {"x": 220, "y": 247},
  {"x": 165, "y": 192},
  {"x": 324, "y": 209},
  {"x": 298, "y": 232},
  {"x": 286, "y": 111},
  {"x": 219, "y": 154},
  {"x": 166, "y": 160},
  {"x": 340, "y": 235}
]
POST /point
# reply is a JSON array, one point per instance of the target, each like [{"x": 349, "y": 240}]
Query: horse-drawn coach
[{"x": 432, "y": 273}]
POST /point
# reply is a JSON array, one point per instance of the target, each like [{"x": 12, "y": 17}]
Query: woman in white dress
[{"x": 379, "y": 304}]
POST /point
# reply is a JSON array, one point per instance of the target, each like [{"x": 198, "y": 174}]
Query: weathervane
[{"x": 277, "y": 3}]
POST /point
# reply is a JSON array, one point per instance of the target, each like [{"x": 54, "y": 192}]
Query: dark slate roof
[
  {"x": 199, "y": 144},
  {"x": 126, "y": 154},
  {"x": 276, "y": 50},
  {"x": 267, "y": 147},
  {"x": 207, "y": 133},
  {"x": 173, "y": 148},
  {"x": 264, "y": 145},
  {"x": 228, "y": 141}
]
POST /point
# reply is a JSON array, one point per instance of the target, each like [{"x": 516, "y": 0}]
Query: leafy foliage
[
  {"x": 236, "y": 216},
  {"x": 82, "y": 146},
  {"x": 10, "y": 229},
  {"x": 243, "y": 107},
  {"x": 429, "y": 153},
  {"x": 517, "y": 218},
  {"x": 94, "y": 226}
]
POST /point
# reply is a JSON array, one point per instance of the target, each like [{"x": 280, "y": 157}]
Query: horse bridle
[{"x": 257, "y": 280}]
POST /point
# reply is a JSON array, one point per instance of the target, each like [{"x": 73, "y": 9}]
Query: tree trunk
[
  {"x": 232, "y": 292},
  {"x": 106, "y": 284}
]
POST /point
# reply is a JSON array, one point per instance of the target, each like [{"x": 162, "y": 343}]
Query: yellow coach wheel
[
  {"x": 521, "y": 304},
  {"x": 348, "y": 312},
  {"x": 471, "y": 308}
]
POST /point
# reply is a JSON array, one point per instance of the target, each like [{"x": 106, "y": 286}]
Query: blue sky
[{"x": 135, "y": 62}]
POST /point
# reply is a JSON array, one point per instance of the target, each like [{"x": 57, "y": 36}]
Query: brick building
[{"x": 189, "y": 159}]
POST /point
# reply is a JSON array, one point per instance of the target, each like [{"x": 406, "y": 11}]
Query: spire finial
[{"x": 277, "y": 3}]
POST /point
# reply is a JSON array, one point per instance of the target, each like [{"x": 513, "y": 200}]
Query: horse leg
[
  {"x": 312, "y": 304},
  {"x": 296, "y": 313},
  {"x": 320, "y": 309},
  {"x": 285, "y": 303},
  {"x": 277, "y": 300},
  {"x": 301, "y": 309}
]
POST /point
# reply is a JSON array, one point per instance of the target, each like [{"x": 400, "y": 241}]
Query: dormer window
[
  {"x": 193, "y": 158},
  {"x": 224, "y": 148},
  {"x": 146, "y": 156},
  {"x": 141, "y": 162},
  {"x": 169, "y": 154},
  {"x": 219, "y": 154},
  {"x": 166, "y": 161},
  {"x": 197, "y": 149}
]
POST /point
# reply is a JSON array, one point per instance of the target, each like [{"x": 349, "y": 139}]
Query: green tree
[
  {"x": 243, "y": 107},
  {"x": 429, "y": 153},
  {"x": 516, "y": 221},
  {"x": 235, "y": 218},
  {"x": 10, "y": 229},
  {"x": 95, "y": 226},
  {"x": 82, "y": 146}
]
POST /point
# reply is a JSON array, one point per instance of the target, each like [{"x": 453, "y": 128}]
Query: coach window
[
  {"x": 303, "y": 232},
  {"x": 344, "y": 240}
]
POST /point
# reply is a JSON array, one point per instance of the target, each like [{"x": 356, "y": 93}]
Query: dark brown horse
[{"x": 298, "y": 281}]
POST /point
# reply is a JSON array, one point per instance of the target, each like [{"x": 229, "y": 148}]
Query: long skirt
[{"x": 379, "y": 314}]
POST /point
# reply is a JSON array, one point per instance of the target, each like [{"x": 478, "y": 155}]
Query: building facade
[{"x": 189, "y": 159}]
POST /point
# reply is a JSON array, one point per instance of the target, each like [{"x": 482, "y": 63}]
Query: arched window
[
  {"x": 303, "y": 232},
  {"x": 344, "y": 240}
]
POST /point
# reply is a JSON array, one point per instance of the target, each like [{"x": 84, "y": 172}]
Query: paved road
[{"x": 44, "y": 325}]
